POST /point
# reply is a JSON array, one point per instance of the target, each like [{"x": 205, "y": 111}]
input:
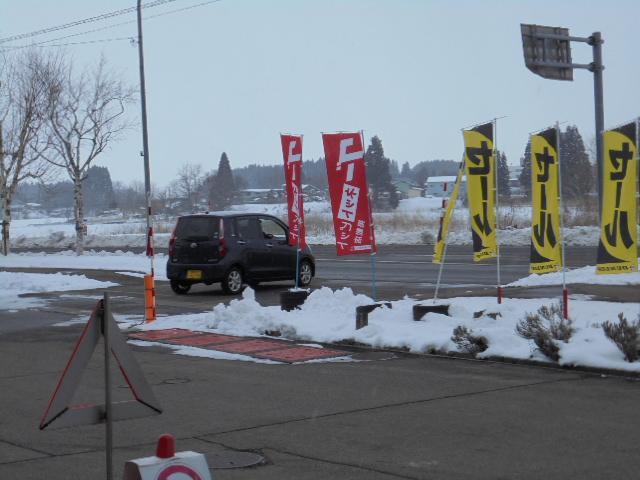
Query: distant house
[
  {"x": 442, "y": 187},
  {"x": 21, "y": 209},
  {"x": 260, "y": 195},
  {"x": 514, "y": 181},
  {"x": 407, "y": 189}
]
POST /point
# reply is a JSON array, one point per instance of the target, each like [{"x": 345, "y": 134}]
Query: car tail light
[
  {"x": 222, "y": 245},
  {"x": 172, "y": 243}
]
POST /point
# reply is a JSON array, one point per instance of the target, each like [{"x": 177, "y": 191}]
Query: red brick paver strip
[
  {"x": 154, "y": 335},
  {"x": 251, "y": 346},
  {"x": 300, "y": 354},
  {"x": 204, "y": 339}
]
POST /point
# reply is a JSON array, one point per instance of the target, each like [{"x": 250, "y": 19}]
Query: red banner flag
[
  {"x": 348, "y": 188},
  {"x": 292, "y": 154}
]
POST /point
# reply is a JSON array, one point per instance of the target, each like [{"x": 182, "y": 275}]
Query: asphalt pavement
[
  {"x": 387, "y": 415},
  {"x": 397, "y": 416}
]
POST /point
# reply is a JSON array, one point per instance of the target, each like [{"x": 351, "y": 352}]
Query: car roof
[{"x": 226, "y": 214}]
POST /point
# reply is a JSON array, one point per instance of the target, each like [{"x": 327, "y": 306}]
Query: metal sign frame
[{"x": 60, "y": 409}]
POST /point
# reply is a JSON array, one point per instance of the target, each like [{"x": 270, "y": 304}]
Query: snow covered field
[
  {"x": 328, "y": 316},
  {"x": 414, "y": 219}
]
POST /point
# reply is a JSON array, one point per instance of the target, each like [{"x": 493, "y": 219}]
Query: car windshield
[{"x": 198, "y": 228}]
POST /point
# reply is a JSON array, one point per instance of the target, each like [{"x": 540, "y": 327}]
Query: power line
[
  {"x": 46, "y": 43},
  {"x": 75, "y": 23}
]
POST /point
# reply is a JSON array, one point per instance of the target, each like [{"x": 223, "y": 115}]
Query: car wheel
[
  {"x": 232, "y": 283},
  {"x": 180, "y": 288},
  {"x": 305, "y": 274}
]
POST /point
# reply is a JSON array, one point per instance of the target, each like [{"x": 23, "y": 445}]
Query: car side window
[
  {"x": 272, "y": 229},
  {"x": 248, "y": 228}
]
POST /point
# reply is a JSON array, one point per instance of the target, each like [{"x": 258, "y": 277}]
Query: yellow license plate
[{"x": 194, "y": 274}]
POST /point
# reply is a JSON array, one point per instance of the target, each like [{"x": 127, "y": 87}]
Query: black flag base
[{"x": 60, "y": 409}]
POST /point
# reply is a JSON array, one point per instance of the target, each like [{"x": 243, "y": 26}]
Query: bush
[
  {"x": 427, "y": 238},
  {"x": 467, "y": 341},
  {"x": 546, "y": 328},
  {"x": 625, "y": 335}
]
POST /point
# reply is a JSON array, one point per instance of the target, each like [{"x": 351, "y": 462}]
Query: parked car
[{"x": 234, "y": 249}]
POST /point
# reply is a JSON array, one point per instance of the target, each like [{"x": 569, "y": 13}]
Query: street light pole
[
  {"x": 547, "y": 52},
  {"x": 595, "y": 40}
]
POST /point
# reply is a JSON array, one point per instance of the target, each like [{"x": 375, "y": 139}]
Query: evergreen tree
[
  {"x": 98, "y": 190},
  {"x": 433, "y": 168},
  {"x": 379, "y": 176},
  {"x": 525, "y": 174},
  {"x": 222, "y": 185},
  {"x": 504, "y": 189},
  {"x": 575, "y": 168},
  {"x": 394, "y": 169},
  {"x": 405, "y": 173}
]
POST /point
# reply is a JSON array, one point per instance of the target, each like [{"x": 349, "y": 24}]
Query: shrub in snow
[
  {"x": 467, "y": 341},
  {"x": 546, "y": 328},
  {"x": 427, "y": 238},
  {"x": 625, "y": 335}
]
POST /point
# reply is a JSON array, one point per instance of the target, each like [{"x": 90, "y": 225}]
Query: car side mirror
[{"x": 268, "y": 236}]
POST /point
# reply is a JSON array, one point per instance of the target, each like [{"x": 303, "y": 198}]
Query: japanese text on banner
[
  {"x": 346, "y": 172},
  {"x": 618, "y": 247},
  {"x": 481, "y": 189},
  {"x": 292, "y": 154},
  {"x": 546, "y": 251}
]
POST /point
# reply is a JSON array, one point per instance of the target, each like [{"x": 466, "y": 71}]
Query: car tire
[
  {"x": 233, "y": 281},
  {"x": 180, "y": 288},
  {"x": 305, "y": 274}
]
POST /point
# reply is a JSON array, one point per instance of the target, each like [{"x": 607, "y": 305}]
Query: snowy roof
[
  {"x": 443, "y": 179},
  {"x": 258, "y": 190}
]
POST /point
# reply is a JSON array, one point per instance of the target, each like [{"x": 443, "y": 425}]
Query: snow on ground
[
  {"x": 18, "y": 283},
  {"x": 117, "y": 261},
  {"x": 329, "y": 316},
  {"x": 406, "y": 225},
  {"x": 280, "y": 209},
  {"x": 579, "y": 275}
]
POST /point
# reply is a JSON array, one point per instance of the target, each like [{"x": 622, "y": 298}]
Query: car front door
[
  {"x": 255, "y": 254},
  {"x": 283, "y": 256}
]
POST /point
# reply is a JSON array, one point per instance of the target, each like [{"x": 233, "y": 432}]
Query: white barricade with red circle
[{"x": 168, "y": 465}]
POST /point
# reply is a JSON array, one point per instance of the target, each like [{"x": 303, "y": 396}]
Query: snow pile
[
  {"x": 579, "y": 275},
  {"x": 329, "y": 316},
  {"x": 89, "y": 261},
  {"x": 18, "y": 283}
]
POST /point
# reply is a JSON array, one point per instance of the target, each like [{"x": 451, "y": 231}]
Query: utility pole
[{"x": 149, "y": 279}]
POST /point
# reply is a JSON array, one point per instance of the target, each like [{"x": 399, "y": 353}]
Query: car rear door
[
  {"x": 252, "y": 245},
  {"x": 197, "y": 240}
]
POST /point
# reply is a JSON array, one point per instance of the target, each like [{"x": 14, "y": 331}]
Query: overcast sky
[{"x": 232, "y": 75}]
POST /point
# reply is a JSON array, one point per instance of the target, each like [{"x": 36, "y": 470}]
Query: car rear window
[{"x": 198, "y": 228}]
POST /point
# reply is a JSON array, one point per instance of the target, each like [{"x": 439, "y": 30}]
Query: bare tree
[
  {"x": 86, "y": 116},
  {"x": 24, "y": 100},
  {"x": 189, "y": 183}
]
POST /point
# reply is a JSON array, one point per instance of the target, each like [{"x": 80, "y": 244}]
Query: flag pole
[
  {"x": 497, "y": 223},
  {"x": 299, "y": 232},
  {"x": 444, "y": 256},
  {"x": 565, "y": 292},
  {"x": 371, "y": 229}
]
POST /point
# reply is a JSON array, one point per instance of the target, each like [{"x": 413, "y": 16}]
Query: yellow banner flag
[
  {"x": 446, "y": 220},
  {"x": 618, "y": 248},
  {"x": 546, "y": 237},
  {"x": 480, "y": 165}
]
